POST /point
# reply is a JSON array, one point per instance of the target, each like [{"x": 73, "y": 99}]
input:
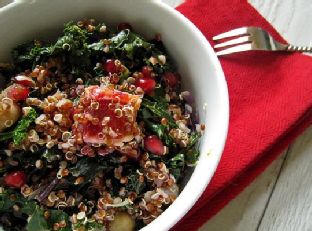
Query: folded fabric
[{"x": 270, "y": 104}]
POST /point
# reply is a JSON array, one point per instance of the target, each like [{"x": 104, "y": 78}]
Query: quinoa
[{"x": 100, "y": 131}]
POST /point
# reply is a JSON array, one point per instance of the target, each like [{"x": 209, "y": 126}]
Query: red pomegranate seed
[
  {"x": 18, "y": 92},
  {"x": 154, "y": 145},
  {"x": 171, "y": 79},
  {"x": 147, "y": 84},
  {"x": 110, "y": 66},
  {"x": 124, "y": 26},
  {"x": 25, "y": 81},
  {"x": 15, "y": 179},
  {"x": 147, "y": 71}
]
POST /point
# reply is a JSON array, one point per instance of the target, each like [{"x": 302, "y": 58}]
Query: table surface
[{"x": 280, "y": 198}]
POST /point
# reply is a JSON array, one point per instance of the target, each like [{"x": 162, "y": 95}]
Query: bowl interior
[{"x": 201, "y": 72}]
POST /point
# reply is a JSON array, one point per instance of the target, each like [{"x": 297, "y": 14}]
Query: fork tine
[
  {"x": 239, "y": 48},
  {"x": 234, "y": 42},
  {"x": 231, "y": 33}
]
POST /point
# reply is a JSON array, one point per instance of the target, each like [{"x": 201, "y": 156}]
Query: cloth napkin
[{"x": 270, "y": 104}]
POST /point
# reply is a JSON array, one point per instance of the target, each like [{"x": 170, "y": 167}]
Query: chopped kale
[
  {"x": 192, "y": 156},
  {"x": 38, "y": 221},
  {"x": 9, "y": 198},
  {"x": 161, "y": 131},
  {"x": 194, "y": 138},
  {"x": 158, "y": 110},
  {"x": 80, "y": 52},
  {"x": 134, "y": 184},
  {"x": 176, "y": 165}
]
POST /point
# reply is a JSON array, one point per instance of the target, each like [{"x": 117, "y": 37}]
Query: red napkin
[{"x": 270, "y": 104}]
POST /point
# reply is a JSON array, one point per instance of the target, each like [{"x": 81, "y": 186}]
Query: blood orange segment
[{"x": 109, "y": 116}]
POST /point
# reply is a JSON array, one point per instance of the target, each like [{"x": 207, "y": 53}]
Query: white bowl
[{"x": 24, "y": 20}]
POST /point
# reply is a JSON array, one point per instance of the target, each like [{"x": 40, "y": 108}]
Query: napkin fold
[{"x": 270, "y": 104}]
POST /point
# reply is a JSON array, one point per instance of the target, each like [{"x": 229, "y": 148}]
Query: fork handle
[{"x": 299, "y": 48}]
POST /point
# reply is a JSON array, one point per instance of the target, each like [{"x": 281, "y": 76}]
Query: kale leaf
[
  {"x": 176, "y": 165},
  {"x": 158, "y": 110},
  {"x": 8, "y": 198},
  {"x": 191, "y": 156},
  {"x": 37, "y": 221},
  {"x": 134, "y": 184},
  {"x": 193, "y": 139},
  {"x": 27, "y": 55},
  {"x": 161, "y": 131},
  {"x": 57, "y": 216},
  {"x": 192, "y": 152}
]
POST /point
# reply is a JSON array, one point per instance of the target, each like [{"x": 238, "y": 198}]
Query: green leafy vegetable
[
  {"x": 124, "y": 75},
  {"x": 161, "y": 131},
  {"x": 57, "y": 216},
  {"x": 26, "y": 55},
  {"x": 85, "y": 167},
  {"x": 37, "y": 221},
  {"x": 193, "y": 139},
  {"x": 8, "y": 198},
  {"x": 176, "y": 165},
  {"x": 50, "y": 155},
  {"x": 88, "y": 168},
  {"x": 192, "y": 152},
  {"x": 191, "y": 156},
  {"x": 134, "y": 184},
  {"x": 89, "y": 225},
  {"x": 158, "y": 110},
  {"x": 20, "y": 131}
]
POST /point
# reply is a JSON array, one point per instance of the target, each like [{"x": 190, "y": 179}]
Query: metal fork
[{"x": 251, "y": 38}]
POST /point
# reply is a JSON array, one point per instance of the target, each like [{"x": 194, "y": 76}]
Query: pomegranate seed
[
  {"x": 15, "y": 179},
  {"x": 25, "y": 81},
  {"x": 171, "y": 79},
  {"x": 147, "y": 72},
  {"x": 147, "y": 84},
  {"x": 18, "y": 92},
  {"x": 154, "y": 145},
  {"x": 124, "y": 26},
  {"x": 110, "y": 66}
]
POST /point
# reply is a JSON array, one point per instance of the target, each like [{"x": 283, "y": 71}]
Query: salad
[{"x": 95, "y": 132}]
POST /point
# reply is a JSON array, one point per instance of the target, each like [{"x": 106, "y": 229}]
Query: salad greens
[{"x": 94, "y": 181}]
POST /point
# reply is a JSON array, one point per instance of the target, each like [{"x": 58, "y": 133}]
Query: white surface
[
  {"x": 206, "y": 75},
  {"x": 280, "y": 198}
]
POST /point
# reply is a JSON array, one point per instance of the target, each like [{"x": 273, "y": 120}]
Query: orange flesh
[{"x": 109, "y": 116}]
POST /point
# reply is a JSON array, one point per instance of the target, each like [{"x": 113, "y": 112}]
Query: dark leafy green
[
  {"x": 89, "y": 225},
  {"x": 128, "y": 43},
  {"x": 134, "y": 184},
  {"x": 176, "y": 165},
  {"x": 37, "y": 221},
  {"x": 9, "y": 198},
  {"x": 193, "y": 139},
  {"x": 191, "y": 156},
  {"x": 57, "y": 216},
  {"x": 161, "y": 131},
  {"x": 50, "y": 155},
  {"x": 158, "y": 110}
]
